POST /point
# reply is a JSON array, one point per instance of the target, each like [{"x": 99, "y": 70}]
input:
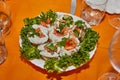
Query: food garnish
[{"x": 57, "y": 39}]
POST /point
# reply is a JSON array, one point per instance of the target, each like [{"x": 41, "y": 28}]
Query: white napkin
[{"x": 112, "y": 6}]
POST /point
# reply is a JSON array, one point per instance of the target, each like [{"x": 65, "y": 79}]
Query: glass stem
[{"x": 2, "y": 40}]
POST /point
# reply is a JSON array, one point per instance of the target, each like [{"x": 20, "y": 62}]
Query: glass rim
[
  {"x": 109, "y": 75},
  {"x": 110, "y": 47},
  {"x": 113, "y": 38},
  {"x": 115, "y": 17}
]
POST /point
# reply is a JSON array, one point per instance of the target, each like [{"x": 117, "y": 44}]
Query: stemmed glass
[
  {"x": 3, "y": 50},
  {"x": 114, "y": 57},
  {"x": 4, "y": 18},
  {"x": 4, "y": 29}
]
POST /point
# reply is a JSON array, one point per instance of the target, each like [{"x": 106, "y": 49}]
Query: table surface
[{"x": 15, "y": 68}]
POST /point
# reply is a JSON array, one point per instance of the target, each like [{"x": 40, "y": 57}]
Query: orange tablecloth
[{"x": 14, "y": 68}]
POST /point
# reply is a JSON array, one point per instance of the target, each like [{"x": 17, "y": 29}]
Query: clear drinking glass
[
  {"x": 3, "y": 50},
  {"x": 114, "y": 57},
  {"x": 93, "y": 11},
  {"x": 5, "y": 23},
  {"x": 4, "y": 29},
  {"x": 114, "y": 20}
]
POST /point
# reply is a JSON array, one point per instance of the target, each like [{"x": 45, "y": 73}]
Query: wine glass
[
  {"x": 114, "y": 20},
  {"x": 5, "y": 23},
  {"x": 4, "y": 29},
  {"x": 3, "y": 50},
  {"x": 114, "y": 57}
]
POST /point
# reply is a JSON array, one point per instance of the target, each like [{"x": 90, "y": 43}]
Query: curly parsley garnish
[{"x": 28, "y": 50}]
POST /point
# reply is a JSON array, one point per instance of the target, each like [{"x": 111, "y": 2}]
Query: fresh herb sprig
[
  {"x": 49, "y": 65},
  {"x": 42, "y": 18},
  {"x": 62, "y": 43},
  {"x": 90, "y": 40},
  {"x": 80, "y": 24},
  {"x": 68, "y": 19},
  {"x": 28, "y": 21},
  {"x": 49, "y": 14},
  {"x": 51, "y": 46},
  {"x": 77, "y": 59},
  {"x": 28, "y": 50}
]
